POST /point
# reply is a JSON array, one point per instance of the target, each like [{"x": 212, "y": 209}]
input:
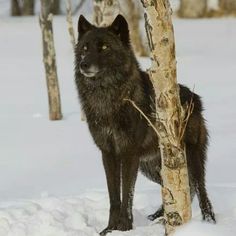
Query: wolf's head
[{"x": 103, "y": 51}]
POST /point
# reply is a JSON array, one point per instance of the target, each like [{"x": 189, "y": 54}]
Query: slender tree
[
  {"x": 50, "y": 60},
  {"x": 78, "y": 7},
  {"x": 193, "y": 8},
  {"x": 55, "y": 7},
  {"x": 15, "y": 8},
  {"x": 132, "y": 13},
  {"x": 70, "y": 22},
  {"x": 72, "y": 36},
  {"x": 228, "y": 6},
  {"x": 28, "y": 7},
  {"x": 170, "y": 115},
  {"x": 104, "y": 11}
]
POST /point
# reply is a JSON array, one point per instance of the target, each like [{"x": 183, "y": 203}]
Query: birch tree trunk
[
  {"x": 170, "y": 116},
  {"x": 50, "y": 60},
  {"x": 15, "y": 8},
  {"x": 28, "y": 7},
  {"x": 78, "y": 7},
  {"x": 72, "y": 36},
  {"x": 193, "y": 8},
  {"x": 227, "y": 6},
  {"x": 131, "y": 11},
  {"x": 104, "y": 11},
  {"x": 70, "y": 22}
]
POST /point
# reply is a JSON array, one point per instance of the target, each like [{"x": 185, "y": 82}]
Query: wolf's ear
[
  {"x": 120, "y": 28},
  {"x": 83, "y": 25}
]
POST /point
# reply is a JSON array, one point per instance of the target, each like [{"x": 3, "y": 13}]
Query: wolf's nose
[{"x": 84, "y": 65}]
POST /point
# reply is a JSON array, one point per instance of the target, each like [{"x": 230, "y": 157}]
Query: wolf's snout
[
  {"x": 87, "y": 69},
  {"x": 84, "y": 66}
]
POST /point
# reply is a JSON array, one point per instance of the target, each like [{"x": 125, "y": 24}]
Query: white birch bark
[
  {"x": 70, "y": 22},
  {"x": 170, "y": 116},
  {"x": 72, "y": 35},
  {"x": 193, "y": 8},
  {"x": 49, "y": 59}
]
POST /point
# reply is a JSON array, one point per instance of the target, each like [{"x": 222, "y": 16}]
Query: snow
[{"x": 52, "y": 180}]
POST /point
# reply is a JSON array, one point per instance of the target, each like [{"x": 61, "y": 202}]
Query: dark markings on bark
[
  {"x": 174, "y": 219},
  {"x": 148, "y": 28},
  {"x": 173, "y": 160}
]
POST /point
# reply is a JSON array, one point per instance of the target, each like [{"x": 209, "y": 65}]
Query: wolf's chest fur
[{"x": 109, "y": 118}]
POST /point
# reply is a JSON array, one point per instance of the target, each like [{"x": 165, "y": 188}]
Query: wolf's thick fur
[{"x": 107, "y": 73}]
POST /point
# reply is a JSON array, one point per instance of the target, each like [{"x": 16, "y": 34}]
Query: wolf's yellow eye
[
  {"x": 85, "y": 48},
  {"x": 104, "y": 47}
]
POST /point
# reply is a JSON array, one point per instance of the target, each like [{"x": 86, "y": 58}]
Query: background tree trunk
[
  {"x": 170, "y": 116},
  {"x": 78, "y": 7},
  {"x": 28, "y": 7},
  {"x": 70, "y": 22},
  {"x": 15, "y": 8},
  {"x": 50, "y": 61},
  {"x": 228, "y": 6},
  {"x": 72, "y": 36},
  {"x": 55, "y": 7},
  {"x": 193, "y": 8},
  {"x": 131, "y": 11},
  {"x": 104, "y": 11}
]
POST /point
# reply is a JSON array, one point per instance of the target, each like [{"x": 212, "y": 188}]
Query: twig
[
  {"x": 142, "y": 113},
  {"x": 185, "y": 121}
]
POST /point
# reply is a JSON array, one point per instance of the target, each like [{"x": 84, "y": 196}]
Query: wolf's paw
[
  {"x": 158, "y": 214},
  {"x": 106, "y": 231},
  {"x": 124, "y": 225},
  {"x": 209, "y": 217}
]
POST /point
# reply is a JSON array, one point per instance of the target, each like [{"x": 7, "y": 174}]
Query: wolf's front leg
[
  {"x": 112, "y": 168},
  {"x": 130, "y": 166}
]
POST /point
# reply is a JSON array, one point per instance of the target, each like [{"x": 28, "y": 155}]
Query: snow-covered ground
[{"x": 52, "y": 181}]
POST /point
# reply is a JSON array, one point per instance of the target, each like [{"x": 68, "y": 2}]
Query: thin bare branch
[{"x": 143, "y": 114}]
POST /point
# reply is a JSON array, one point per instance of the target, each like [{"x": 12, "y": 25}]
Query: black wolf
[{"x": 107, "y": 73}]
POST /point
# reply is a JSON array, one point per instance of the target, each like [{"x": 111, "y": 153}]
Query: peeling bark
[
  {"x": 50, "y": 61},
  {"x": 193, "y": 8},
  {"x": 170, "y": 115}
]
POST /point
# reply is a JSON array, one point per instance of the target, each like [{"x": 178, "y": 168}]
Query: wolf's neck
[{"x": 106, "y": 100}]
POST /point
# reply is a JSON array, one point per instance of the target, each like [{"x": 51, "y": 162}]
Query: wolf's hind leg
[
  {"x": 159, "y": 213},
  {"x": 197, "y": 169}
]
